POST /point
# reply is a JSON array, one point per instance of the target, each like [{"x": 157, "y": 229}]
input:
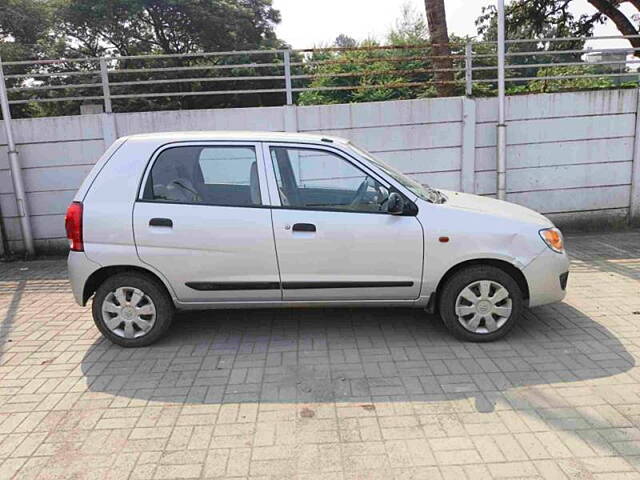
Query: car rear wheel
[
  {"x": 132, "y": 309},
  {"x": 481, "y": 303}
]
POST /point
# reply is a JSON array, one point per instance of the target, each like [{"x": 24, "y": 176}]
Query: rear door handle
[
  {"x": 304, "y": 227},
  {"x": 161, "y": 222}
]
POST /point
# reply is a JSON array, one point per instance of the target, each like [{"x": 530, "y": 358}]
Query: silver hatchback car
[{"x": 208, "y": 220}]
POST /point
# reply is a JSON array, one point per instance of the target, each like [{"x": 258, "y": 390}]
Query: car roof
[{"x": 235, "y": 136}]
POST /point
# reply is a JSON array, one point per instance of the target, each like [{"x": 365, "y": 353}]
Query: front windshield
[{"x": 424, "y": 192}]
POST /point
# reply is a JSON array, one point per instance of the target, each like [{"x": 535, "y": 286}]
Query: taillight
[{"x": 73, "y": 224}]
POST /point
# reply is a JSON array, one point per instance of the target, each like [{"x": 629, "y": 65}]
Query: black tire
[
  {"x": 164, "y": 307},
  {"x": 466, "y": 277}
]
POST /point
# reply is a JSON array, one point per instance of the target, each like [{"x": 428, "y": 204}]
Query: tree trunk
[
  {"x": 623, "y": 24},
  {"x": 439, "y": 34}
]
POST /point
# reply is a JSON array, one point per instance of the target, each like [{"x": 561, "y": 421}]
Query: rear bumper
[
  {"x": 80, "y": 268},
  {"x": 547, "y": 276}
]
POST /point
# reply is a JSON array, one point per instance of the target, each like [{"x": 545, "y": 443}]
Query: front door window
[{"x": 321, "y": 180}]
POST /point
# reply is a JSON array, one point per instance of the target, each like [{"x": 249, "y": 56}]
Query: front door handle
[
  {"x": 161, "y": 222},
  {"x": 304, "y": 227}
]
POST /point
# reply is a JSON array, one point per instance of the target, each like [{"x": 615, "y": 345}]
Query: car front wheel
[
  {"x": 132, "y": 309},
  {"x": 481, "y": 303}
]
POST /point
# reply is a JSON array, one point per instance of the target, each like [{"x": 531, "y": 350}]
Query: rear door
[
  {"x": 202, "y": 219},
  {"x": 334, "y": 238}
]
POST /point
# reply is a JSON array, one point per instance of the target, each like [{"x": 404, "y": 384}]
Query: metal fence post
[
  {"x": 468, "y": 69},
  {"x": 16, "y": 171},
  {"x": 287, "y": 76},
  {"x": 501, "y": 167},
  {"x": 634, "y": 202},
  {"x": 106, "y": 92}
]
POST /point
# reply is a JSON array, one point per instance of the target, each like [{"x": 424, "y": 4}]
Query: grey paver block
[{"x": 327, "y": 393}]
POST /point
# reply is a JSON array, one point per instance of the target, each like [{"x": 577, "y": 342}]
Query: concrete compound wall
[{"x": 569, "y": 155}]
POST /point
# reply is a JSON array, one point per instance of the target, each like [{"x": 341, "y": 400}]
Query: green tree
[
  {"x": 25, "y": 28},
  {"x": 588, "y": 79},
  {"x": 375, "y": 72},
  {"x": 553, "y": 18},
  {"x": 542, "y": 19},
  {"x": 130, "y": 27},
  {"x": 536, "y": 20},
  {"x": 79, "y": 28},
  {"x": 345, "y": 41}
]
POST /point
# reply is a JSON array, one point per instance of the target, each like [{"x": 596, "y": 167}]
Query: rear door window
[{"x": 210, "y": 175}]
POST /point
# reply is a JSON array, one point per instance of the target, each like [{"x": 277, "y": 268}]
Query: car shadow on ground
[
  {"x": 369, "y": 358},
  {"x": 352, "y": 355}
]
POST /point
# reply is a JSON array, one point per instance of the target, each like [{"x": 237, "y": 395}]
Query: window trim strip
[
  {"x": 262, "y": 147},
  {"x": 273, "y": 207}
]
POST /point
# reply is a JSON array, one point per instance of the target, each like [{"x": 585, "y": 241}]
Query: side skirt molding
[
  {"x": 239, "y": 286},
  {"x": 324, "y": 285},
  {"x": 232, "y": 286}
]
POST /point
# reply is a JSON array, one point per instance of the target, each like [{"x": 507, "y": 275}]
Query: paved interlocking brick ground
[{"x": 328, "y": 394}]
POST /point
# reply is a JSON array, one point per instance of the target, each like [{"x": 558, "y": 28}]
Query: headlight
[{"x": 553, "y": 238}]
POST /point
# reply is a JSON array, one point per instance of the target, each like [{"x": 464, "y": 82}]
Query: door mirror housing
[{"x": 395, "y": 204}]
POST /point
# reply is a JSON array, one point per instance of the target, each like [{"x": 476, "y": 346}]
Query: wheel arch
[
  {"x": 99, "y": 276},
  {"x": 503, "y": 265}
]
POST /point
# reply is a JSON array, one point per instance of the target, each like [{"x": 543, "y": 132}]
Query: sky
[{"x": 308, "y": 23}]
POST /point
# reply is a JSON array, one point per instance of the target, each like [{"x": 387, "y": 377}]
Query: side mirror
[{"x": 395, "y": 204}]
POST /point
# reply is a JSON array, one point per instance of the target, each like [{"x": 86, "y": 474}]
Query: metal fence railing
[
  {"x": 324, "y": 75},
  {"x": 570, "y": 60}
]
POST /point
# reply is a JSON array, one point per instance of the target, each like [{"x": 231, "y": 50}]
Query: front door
[
  {"x": 334, "y": 238},
  {"x": 201, "y": 220}
]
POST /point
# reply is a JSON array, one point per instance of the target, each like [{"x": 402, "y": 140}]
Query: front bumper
[{"x": 546, "y": 277}]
